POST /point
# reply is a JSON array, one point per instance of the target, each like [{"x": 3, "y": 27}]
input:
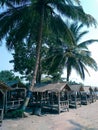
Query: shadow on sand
[{"x": 80, "y": 127}]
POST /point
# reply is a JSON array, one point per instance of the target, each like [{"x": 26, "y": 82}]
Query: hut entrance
[{"x": 1, "y": 99}]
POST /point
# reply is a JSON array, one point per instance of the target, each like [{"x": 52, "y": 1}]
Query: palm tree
[
  {"x": 27, "y": 19},
  {"x": 78, "y": 56},
  {"x": 74, "y": 55}
]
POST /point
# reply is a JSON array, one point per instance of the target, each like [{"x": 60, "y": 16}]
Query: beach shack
[
  {"x": 93, "y": 94},
  {"x": 86, "y": 97},
  {"x": 96, "y": 92},
  {"x": 75, "y": 95},
  {"x": 3, "y": 89},
  {"x": 51, "y": 96},
  {"x": 15, "y": 96}
]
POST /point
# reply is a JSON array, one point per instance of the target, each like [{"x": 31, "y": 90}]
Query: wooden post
[
  {"x": 2, "y": 108},
  {"x": 75, "y": 101},
  {"x": 1, "y": 116},
  {"x": 86, "y": 99},
  {"x": 4, "y": 96},
  {"x": 68, "y": 100},
  {"x": 58, "y": 102},
  {"x": 47, "y": 98},
  {"x": 5, "y": 102},
  {"x": 80, "y": 98}
]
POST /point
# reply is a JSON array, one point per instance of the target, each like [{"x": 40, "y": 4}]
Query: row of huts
[
  {"x": 61, "y": 96},
  {"x": 57, "y": 96}
]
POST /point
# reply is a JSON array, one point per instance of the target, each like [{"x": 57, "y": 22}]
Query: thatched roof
[
  {"x": 4, "y": 87},
  {"x": 56, "y": 87},
  {"x": 76, "y": 88},
  {"x": 87, "y": 88},
  {"x": 15, "y": 84}
]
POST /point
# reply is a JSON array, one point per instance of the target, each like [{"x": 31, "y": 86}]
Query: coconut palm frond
[
  {"x": 88, "y": 42},
  {"x": 80, "y": 35}
]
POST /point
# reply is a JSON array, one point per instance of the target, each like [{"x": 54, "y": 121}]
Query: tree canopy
[
  {"x": 75, "y": 55},
  {"x": 6, "y": 76}
]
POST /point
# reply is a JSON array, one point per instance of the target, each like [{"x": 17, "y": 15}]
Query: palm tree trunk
[
  {"x": 67, "y": 79},
  {"x": 39, "y": 45},
  {"x": 38, "y": 79}
]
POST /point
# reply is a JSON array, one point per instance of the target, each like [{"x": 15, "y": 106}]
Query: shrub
[{"x": 15, "y": 114}]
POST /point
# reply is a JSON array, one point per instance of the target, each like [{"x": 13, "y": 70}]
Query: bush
[{"x": 15, "y": 114}]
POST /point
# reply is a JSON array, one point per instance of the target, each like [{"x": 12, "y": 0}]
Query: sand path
[{"x": 83, "y": 118}]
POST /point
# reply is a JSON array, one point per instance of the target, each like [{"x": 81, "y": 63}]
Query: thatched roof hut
[
  {"x": 3, "y": 89},
  {"x": 12, "y": 93},
  {"x": 55, "y": 87},
  {"x": 52, "y": 96},
  {"x": 15, "y": 84},
  {"x": 87, "y": 89},
  {"x": 75, "y": 95},
  {"x": 76, "y": 88}
]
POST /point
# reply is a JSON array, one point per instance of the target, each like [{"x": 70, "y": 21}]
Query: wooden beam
[{"x": 58, "y": 102}]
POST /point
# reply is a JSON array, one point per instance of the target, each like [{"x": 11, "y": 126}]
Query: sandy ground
[{"x": 83, "y": 118}]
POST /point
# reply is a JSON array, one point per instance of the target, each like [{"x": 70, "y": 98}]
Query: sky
[{"x": 90, "y": 7}]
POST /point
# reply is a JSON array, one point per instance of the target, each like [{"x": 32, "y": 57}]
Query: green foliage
[
  {"x": 22, "y": 25},
  {"x": 46, "y": 80},
  {"x": 24, "y": 59},
  {"x": 8, "y": 76},
  {"x": 70, "y": 55},
  {"x": 74, "y": 82},
  {"x": 15, "y": 114},
  {"x": 78, "y": 55},
  {"x": 55, "y": 77}
]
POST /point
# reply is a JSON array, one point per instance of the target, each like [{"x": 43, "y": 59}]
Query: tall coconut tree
[
  {"x": 23, "y": 19},
  {"x": 71, "y": 56},
  {"x": 79, "y": 56}
]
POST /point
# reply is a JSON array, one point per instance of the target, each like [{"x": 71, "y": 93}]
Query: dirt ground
[{"x": 83, "y": 118}]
